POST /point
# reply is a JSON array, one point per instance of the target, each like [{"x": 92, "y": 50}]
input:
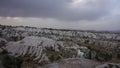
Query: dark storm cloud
[{"x": 58, "y": 9}]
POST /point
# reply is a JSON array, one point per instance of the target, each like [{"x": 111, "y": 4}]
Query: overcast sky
[{"x": 64, "y": 14}]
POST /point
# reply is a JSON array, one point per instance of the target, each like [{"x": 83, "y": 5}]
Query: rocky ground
[{"x": 29, "y": 47}]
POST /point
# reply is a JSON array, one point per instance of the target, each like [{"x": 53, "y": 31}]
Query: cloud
[
  {"x": 66, "y": 10},
  {"x": 63, "y": 14},
  {"x": 111, "y": 23}
]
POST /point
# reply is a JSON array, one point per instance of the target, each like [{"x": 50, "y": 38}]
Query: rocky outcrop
[
  {"x": 73, "y": 63},
  {"x": 102, "y": 50},
  {"x": 104, "y": 43},
  {"x": 17, "y": 33},
  {"x": 109, "y": 65},
  {"x": 42, "y": 46},
  {"x": 2, "y": 42},
  {"x": 43, "y": 50}
]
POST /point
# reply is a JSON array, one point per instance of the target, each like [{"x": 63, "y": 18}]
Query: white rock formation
[
  {"x": 33, "y": 46},
  {"x": 1, "y": 39},
  {"x": 2, "y": 44},
  {"x": 79, "y": 54},
  {"x": 36, "y": 47}
]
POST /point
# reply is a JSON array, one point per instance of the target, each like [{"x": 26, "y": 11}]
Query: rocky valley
[{"x": 31, "y": 47}]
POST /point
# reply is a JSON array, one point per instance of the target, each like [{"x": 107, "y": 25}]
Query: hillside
[{"x": 44, "y": 47}]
